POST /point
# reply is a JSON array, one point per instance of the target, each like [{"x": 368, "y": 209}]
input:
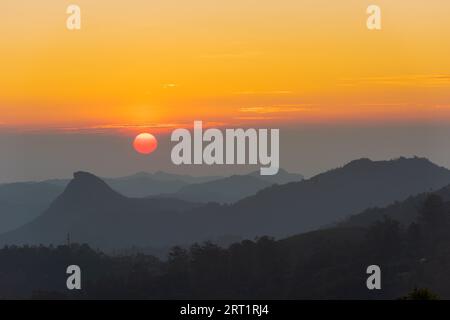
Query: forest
[{"x": 324, "y": 264}]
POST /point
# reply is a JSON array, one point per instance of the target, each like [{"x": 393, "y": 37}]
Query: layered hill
[{"x": 92, "y": 212}]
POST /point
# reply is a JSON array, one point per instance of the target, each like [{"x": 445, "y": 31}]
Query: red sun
[{"x": 145, "y": 143}]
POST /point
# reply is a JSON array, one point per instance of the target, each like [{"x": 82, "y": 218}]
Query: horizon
[
  {"x": 306, "y": 150},
  {"x": 218, "y": 177}
]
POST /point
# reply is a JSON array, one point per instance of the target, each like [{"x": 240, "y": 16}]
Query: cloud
[
  {"x": 278, "y": 109},
  {"x": 123, "y": 128},
  {"x": 112, "y": 128},
  {"x": 383, "y": 104},
  {"x": 423, "y": 80},
  {"x": 258, "y": 118}
]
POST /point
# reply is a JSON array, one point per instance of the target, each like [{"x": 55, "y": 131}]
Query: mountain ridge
[{"x": 93, "y": 212}]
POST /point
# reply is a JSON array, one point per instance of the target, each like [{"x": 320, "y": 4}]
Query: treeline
[{"x": 325, "y": 264}]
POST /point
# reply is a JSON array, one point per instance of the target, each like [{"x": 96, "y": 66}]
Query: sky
[{"x": 336, "y": 90}]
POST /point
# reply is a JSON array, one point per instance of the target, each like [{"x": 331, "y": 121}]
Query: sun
[{"x": 145, "y": 143}]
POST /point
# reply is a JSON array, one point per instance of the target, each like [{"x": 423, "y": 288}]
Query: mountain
[
  {"x": 404, "y": 212},
  {"x": 165, "y": 176},
  {"x": 329, "y": 197},
  {"x": 281, "y": 177},
  {"x": 233, "y": 188},
  {"x": 22, "y": 202},
  {"x": 143, "y": 184},
  {"x": 225, "y": 190},
  {"x": 91, "y": 211}
]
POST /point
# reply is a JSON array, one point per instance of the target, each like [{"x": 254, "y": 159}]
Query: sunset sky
[
  {"x": 165, "y": 62},
  {"x": 140, "y": 65}
]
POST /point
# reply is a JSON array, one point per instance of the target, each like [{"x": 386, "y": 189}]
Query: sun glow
[{"x": 271, "y": 62}]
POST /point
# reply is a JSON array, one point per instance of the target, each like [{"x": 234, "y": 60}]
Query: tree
[
  {"x": 421, "y": 294},
  {"x": 432, "y": 215},
  {"x": 434, "y": 223},
  {"x": 384, "y": 238}
]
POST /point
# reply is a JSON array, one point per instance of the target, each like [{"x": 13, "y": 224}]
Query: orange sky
[{"x": 163, "y": 63}]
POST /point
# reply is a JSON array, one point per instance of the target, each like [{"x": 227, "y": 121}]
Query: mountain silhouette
[
  {"x": 405, "y": 212},
  {"x": 331, "y": 196},
  {"x": 143, "y": 184},
  {"x": 225, "y": 190},
  {"x": 87, "y": 189},
  {"x": 233, "y": 188},
  {"x": 92, "y": 212},
  {"x": 188, "y": 179},
  {"x": 281, "y": 177},
  {"x": 22, "y": 202}
]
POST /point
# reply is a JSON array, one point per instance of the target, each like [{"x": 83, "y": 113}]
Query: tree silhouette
[
  {"x": 432, "y": 215},
  {"x": 421, "y": 294}
]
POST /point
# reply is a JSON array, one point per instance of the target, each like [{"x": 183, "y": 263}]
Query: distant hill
[
  {"x": 404, "y": 212},
  {"x": 143, "y": 184},
  {"x": 192, "y": 188},
  {"x": 233, "y": 188},
  {"x": 22, "y": 202},
  {"x": 188, "y": 179},
  {"x": 92, "y": 212},
  {"x": 331, "y": 196},
  {"x": 281, "y": 177},
  {"x": 225, "y": 190},
  {"x": 322, "y": 264}
]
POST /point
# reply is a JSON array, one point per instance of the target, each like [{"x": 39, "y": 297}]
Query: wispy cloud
[
  {"x": 258, "y": 118},
  {"x": 119, "y": 128},
  {"x": 383, "y": 104},
  {"x": 278, "y": 109},
  {"x": 426, "y": 80},
  {"x": 108, "y": 128}
]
